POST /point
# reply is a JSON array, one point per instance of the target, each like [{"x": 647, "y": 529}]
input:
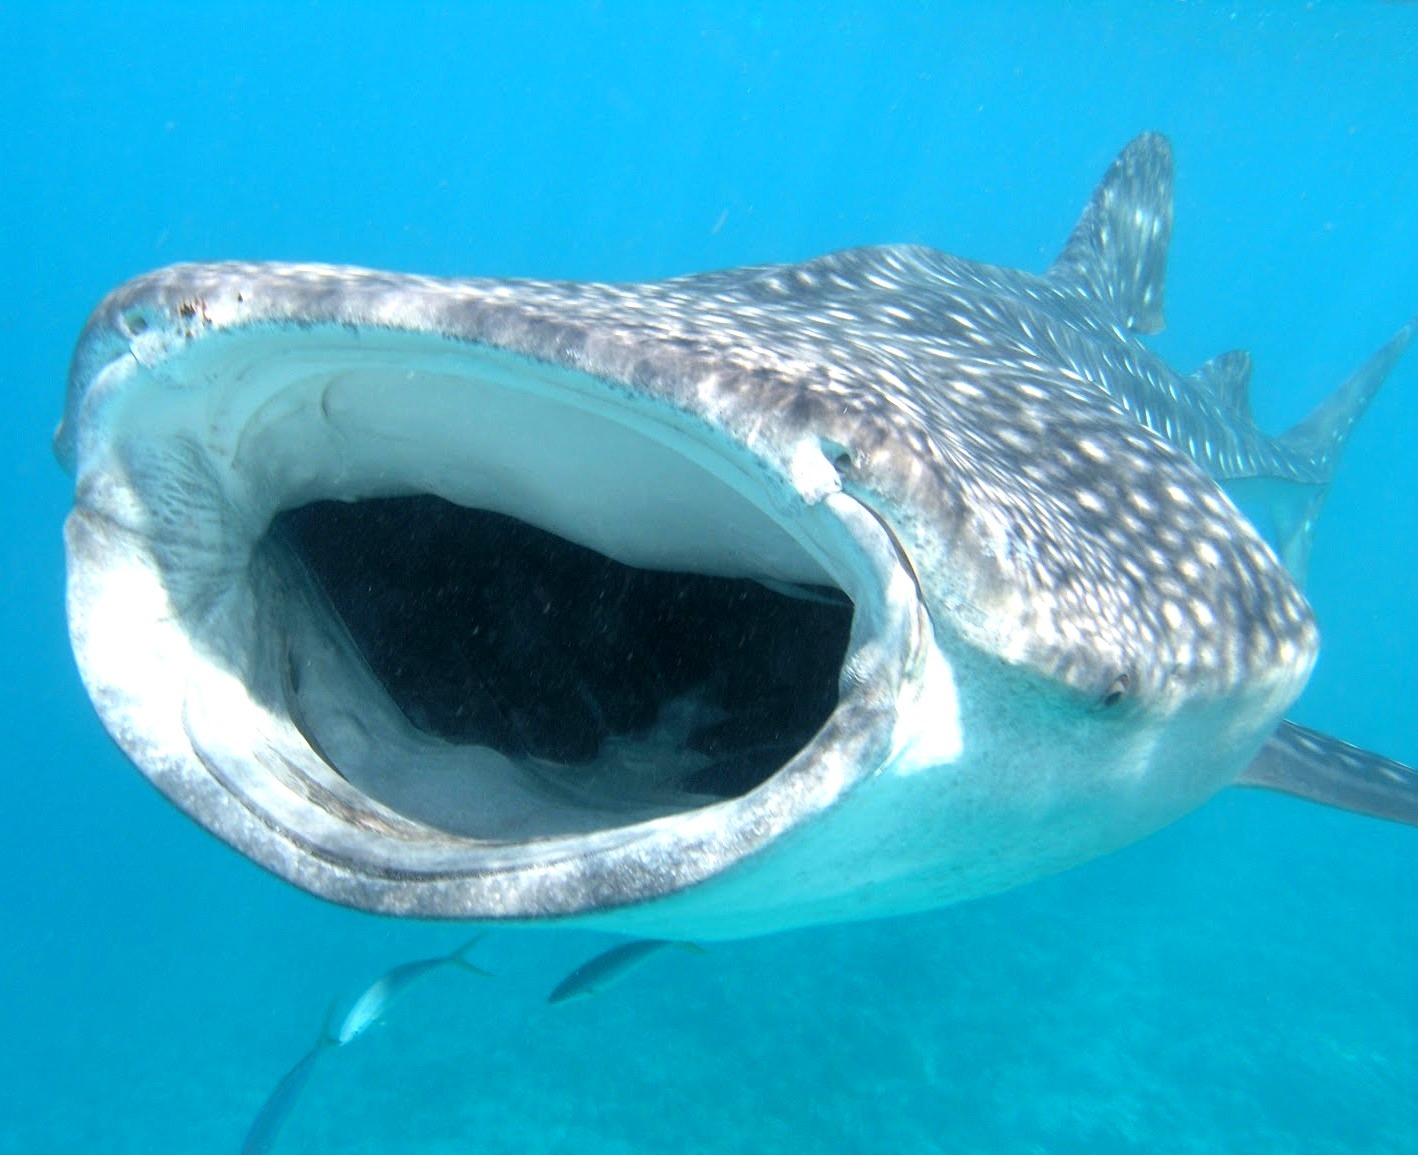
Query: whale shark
[{"x": 700, "y": 608}]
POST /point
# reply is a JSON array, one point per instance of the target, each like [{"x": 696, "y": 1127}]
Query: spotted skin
[
  {"x": 1047, "y": 489},
  {"x": 1033, "y": 454}
]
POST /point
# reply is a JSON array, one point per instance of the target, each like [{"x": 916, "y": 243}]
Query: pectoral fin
[{"x": 1312, "y": 765}]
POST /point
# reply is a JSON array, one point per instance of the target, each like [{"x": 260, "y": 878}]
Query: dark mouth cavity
[{"x": 484, "y": 630}]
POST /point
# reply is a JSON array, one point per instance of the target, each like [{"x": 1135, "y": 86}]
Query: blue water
[{"x": 1246, "y": 980}]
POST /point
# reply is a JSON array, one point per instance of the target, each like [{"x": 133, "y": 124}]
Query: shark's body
[{"x": 1062, "y": 634}]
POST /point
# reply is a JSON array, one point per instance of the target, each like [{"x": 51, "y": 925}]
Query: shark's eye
[
  {"x": 1117, "y": 691},
  {"x": 134, "y": 321}
]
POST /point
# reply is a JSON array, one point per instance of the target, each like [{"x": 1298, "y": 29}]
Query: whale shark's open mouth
[
  {"x": 433, "y": 628},
  {"x": 547, "y": 689}
]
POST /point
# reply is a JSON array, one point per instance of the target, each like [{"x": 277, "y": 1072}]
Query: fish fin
[
  {"x": 329, "y": 1029},
  {"x": 1320, "y": 438},
  {"x": 459, "y": 957},
  {"x": 1117, "y": 253},
  {"x": 1227, "y": 377},
  {"x": 1312, "y": 765},
  {"x": 692, "y": 947}
]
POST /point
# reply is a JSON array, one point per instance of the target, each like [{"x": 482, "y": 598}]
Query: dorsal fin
[
  {"x": 1117, "y": 255},
  {"x": 1227, "y": 377}
]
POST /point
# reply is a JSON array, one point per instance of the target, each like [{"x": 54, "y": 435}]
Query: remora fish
[
  {"x": 607, "y": 968},
  {"x": 369, "y": 1008},
  {"x": 700, "y": 608},
  {"x": 261, "y": 1136}
]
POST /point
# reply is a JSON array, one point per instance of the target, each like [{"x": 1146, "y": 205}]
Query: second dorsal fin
[{"x": 1227, "y": 377}]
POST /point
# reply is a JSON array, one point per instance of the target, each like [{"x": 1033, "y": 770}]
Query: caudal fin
[
  {"x": 459, "y": 957},
  {"x": 1315, "y": 766},
  {"x": 1320, "y": 439}
]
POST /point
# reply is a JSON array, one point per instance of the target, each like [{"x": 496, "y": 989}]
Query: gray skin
[{"x": 1064, "y": 634}]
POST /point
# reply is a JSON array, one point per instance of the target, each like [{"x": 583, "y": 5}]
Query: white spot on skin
[{"x": 1091, "y": 501}]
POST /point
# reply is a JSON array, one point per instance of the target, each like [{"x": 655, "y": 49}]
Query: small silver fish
[
  {"x": 277, "y": 1107},
  {"x": 371, "y": 1005},
  {"x": 609, "y": 967}
]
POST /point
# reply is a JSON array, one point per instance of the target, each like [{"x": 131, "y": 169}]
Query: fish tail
[
  {"x": 460, "y": 958},
  {"x": 329, "y": 1029},
  {"x": 1321, "y": 438}
]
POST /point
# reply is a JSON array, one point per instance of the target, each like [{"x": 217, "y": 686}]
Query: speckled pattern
[{"x": 1045, "y": 473}]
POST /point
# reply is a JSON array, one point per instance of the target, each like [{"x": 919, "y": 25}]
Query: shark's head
[{"x": 699, "y": 608}]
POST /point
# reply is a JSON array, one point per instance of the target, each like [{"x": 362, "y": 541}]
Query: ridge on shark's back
[{"x": 698, "y": 608}]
